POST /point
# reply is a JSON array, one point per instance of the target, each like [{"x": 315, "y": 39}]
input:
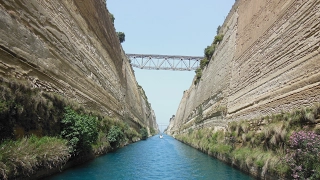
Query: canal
[{"x": 154, "y": 158}]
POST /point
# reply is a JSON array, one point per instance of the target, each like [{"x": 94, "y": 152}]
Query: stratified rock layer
[
  {"x": 70, "y": 47},
  {"x": 267, "y": 63}
]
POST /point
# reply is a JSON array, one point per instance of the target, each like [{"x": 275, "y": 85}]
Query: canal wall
[
  {"x": 258, "y": 87},
  {"x": 55, "y": 54},
  {"x": 267, "y": 63},
  {"x": 71, "y": 48}
]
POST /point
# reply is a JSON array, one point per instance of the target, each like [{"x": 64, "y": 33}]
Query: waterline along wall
[{"x": 267, "y": 63}]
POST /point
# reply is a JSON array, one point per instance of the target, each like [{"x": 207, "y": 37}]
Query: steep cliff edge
[
  {"x": 267, "y": 63},
  {"x": 71, "y": 48}
]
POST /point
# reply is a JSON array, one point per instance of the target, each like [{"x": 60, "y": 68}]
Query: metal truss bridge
[
  {"x": 162, "y": 127},
  {"x": 164, "y": 62}
]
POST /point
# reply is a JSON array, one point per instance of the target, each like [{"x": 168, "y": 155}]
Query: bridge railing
[{"x": 164, "y": 62}]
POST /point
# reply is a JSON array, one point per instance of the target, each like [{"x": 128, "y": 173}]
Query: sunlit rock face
[
  {"x": 268, "y": 62},
  {"x": 71, "y": 48}
]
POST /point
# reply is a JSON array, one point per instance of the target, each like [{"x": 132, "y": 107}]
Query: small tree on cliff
[
  {"x": 218, "y": 29},
  {"x": 112, "y": 17},
  {"x": 121, "y": 36}
]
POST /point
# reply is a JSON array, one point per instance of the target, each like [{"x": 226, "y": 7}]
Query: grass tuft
[{"x": 25, "y": 156}]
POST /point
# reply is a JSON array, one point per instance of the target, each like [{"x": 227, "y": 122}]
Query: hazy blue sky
[{"x": 167, "y": 27}]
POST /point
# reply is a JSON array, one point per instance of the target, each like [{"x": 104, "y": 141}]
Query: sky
[{"x": 167, "y": 27}]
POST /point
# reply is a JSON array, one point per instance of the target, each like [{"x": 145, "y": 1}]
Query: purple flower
[{"x": 304, "y": 149}]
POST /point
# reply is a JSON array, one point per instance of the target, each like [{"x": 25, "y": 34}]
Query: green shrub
[
  {"x": 144, "y": 133},
  {"x": 152, "y": 131},
  {"x": 105, "y": 124},
  {"x": 198, "y": 76},
  {"x": 208, "y": 51},
  {"x": 218, "y": 29},
  {"x": 115, "y": 136},
  {"x": 121, "y": 36},
  {"x": 218, "y": 38},
  {"x": 203, "y": 62},
  {"x": 112, "y": 17},
  {"x": 27, "y": 108},
  {"x": 80, "y": 130},
  {"x": 198, "y": 73}
]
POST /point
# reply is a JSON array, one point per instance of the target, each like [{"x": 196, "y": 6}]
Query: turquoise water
[{"x": 154, "y": 158}]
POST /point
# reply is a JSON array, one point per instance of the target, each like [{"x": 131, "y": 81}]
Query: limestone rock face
[
  {"x": 70, "y": 47},
  {"x": 268, "y": 62}
]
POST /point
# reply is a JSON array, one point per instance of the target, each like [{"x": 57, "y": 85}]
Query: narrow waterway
[{"x": 154, "y": 158}]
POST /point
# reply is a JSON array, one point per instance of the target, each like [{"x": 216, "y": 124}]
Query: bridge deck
[{"x": 165, "y": 62}]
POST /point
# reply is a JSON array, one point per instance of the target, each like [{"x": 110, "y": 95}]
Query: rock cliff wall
[
  {"x": 70, "y": 47},
  {"x": 268, "y": 62}
]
